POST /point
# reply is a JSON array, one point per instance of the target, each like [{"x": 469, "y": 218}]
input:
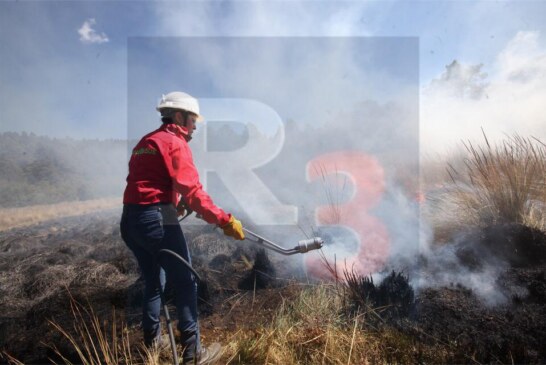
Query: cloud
[
  {"x": 459, "y": 80},
  {"x": 89, "y": 35},
  {"x": 463, "y": 100},
  {"x": 262, "y": 19}
]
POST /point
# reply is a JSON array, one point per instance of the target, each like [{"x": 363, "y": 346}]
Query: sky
[{"x": 64, "y": 66}]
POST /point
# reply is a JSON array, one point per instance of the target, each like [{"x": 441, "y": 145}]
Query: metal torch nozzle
[
  {"x": 314, "y": 243},
  {"x": 302, "y": 247}
]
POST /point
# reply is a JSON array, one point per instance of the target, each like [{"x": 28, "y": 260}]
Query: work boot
[
  {"x": 151, "y": 337},
  {"x": 207, "y": 355}
]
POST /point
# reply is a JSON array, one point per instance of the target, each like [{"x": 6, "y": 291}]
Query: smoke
[
  {"x": 444, "y": 266},
  {"x": 263, "y": 19},
  {"x": 502, "y": 98},
  {"x": 44, "y": 170},
  {"x": 350, "y": 104},
  {"x": 349, "y": 160},
  {"x": 461, "y": 263}
]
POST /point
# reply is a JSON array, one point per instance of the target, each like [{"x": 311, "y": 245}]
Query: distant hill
[{"x": 41, "y": 170}]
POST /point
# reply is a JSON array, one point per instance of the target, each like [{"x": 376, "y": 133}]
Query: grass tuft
[
  {"x": 96, "y": 342},
  {"x": 503, "y": 183},
  {"x": 311, "y": 329}
]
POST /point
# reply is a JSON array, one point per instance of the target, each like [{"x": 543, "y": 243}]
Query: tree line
[{"x": 43, "y": 170}]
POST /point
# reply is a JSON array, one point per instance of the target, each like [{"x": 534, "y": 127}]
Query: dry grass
[
  {"x": 93, "y": 343},
  {"x": 98, "y": 342},
  {"x": 336, "y": 187},
  {"x": 10, "y": 359},
  {"x": 309, "y": 330},
  {"x": 314, "y": 328},
  {"x": 502, "y": 183},
  {"x": 25, "y": 216}
]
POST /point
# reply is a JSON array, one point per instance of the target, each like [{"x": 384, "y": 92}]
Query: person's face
[{"x": 189, "y": 123}]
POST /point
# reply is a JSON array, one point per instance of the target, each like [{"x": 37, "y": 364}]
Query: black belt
[{"x": 143, "y": 207}]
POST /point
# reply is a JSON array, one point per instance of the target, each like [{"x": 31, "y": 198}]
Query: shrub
[{"x": 502, "y": 183}]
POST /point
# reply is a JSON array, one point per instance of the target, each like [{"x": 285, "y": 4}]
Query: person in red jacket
[{"x": 162, "y": 177}]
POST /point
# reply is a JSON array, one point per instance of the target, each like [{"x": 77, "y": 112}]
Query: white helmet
[{"x": 180, "y": 100}]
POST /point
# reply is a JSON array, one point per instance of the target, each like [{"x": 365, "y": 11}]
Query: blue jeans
[{"x": 146, "y": 230}]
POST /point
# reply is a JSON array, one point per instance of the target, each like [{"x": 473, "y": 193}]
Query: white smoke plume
[{"x": 501, "y": 99}]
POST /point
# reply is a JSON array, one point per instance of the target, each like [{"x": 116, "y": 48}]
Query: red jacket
[{"x": 161, "y": 168}]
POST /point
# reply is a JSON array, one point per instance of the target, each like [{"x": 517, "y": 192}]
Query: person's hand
[{"x": 234, "y": 229}]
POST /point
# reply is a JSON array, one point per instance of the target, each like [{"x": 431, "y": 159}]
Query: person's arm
[{"x": 185, "y": 180}]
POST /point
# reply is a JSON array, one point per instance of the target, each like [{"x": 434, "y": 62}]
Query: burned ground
[
  {"x": 514, "y": 243},
  {"x": 509, "y": 334},
  {"x": 511, "y": 326},
  {"x": 45, "y": 265}
]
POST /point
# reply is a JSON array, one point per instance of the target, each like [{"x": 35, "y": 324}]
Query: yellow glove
[{"x": 234, "y": 229}]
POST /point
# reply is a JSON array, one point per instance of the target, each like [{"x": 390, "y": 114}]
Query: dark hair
[{"x": 167, "y": 115}]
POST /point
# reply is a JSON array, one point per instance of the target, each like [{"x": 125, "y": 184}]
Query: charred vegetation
[
  {"x": 391, "y": 300},
  {"x": 47, "y": 266}
]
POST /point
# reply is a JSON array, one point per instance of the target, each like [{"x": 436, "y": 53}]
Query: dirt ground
[{"x": 44, "y": 264}]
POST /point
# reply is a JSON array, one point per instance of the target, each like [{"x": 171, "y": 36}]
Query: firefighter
[{"x": 162, "y": 178}]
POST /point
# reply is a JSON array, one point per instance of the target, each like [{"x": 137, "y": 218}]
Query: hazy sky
[{"x": 63, "y": 65}]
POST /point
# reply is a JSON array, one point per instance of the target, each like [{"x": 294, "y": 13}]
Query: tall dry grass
[
  {"x": 336, "y": 187},
  {"x": 309, "y": 330},
  {"x": 98, "y": 342},
  {"x": 313, "y": 328},
  {"x": 92, "y": 341},
  {"x": 316, "y": 328},
  {"x": 502, "y": 183}
]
